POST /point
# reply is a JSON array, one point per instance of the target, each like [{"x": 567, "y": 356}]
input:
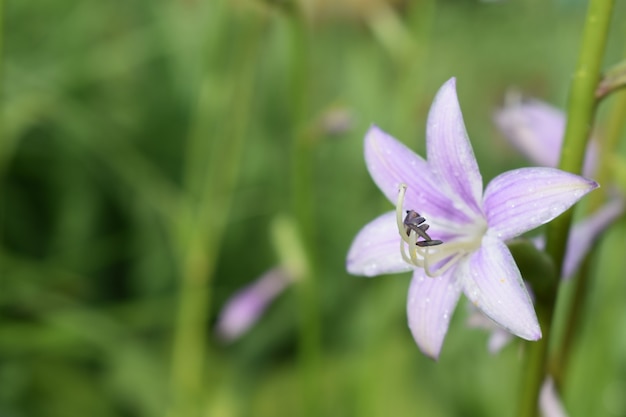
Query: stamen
[{"x": 419, "y": 252}]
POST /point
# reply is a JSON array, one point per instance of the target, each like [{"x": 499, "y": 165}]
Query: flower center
[{"x": 435, "y": 256}]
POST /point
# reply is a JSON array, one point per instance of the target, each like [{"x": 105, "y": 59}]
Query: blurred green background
[{"x": 147, "y": 148}]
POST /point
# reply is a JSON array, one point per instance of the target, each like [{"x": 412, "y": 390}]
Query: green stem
[
  {"x": 202, "y": 223},
  {"x": 303, "y": 199},
  {"x": 535, "y": 362},
  {"x": 3, "y": 144},
  {"x": 580, "y": 116},
  {"x": 615, "y": 126},
  {"x": 581, "y": 112}
]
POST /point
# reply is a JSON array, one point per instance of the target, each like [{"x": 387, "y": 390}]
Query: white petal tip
[
  {"x": 451, "y": 82},
  {"x": 532, "y": 335},
  {"x": 447, "y": 90}
]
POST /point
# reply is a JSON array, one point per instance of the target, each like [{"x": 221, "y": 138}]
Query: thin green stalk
[
  {"x": 581, "y": 112},
  {"x": 580, "y": 116},
  {"x": 302, "y": 194},
  {"x": 615, "y": 126},
  {"x": 2, "y": 137},
  {"x": 535, "y": 362},
  {"x": 202, "y": 224}
]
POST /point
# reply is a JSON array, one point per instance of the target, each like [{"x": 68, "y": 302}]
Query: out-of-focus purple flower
[
  {"x": 247, "y": 305},
  {"x": 447, "y": 190},
  {"x": 550, "y": 404},
  {"x": 584, "y": 234},
  {"x": 498, "y": 337},
  {"x": 537, "y": 130}
]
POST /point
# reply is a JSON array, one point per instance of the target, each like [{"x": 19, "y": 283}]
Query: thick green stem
[
  {"x": 581, "y": 112},
  {"x": 615, "y": 126},
  {"x": 580, "y": 116}
]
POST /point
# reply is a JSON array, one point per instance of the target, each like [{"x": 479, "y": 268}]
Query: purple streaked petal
[
  {"x": 376, "y": 249},
  {"x": 391, "y": 163},
  {"x": 492, "y": 281},
  {"x": 523, "y": 199},
  {"x": 449, "y": 151},
  {"x": 247, "y": 305},
  {"x": 584, "y": 234},
  {"x": 430, "y": 305}
]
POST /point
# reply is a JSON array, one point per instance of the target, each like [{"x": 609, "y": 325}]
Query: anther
[
  {"x": 414, "y": 222},
  {"x": 411, "y": 229}
]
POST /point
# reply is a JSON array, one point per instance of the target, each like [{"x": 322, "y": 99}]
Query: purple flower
[
  {"x": 247, "y": 305},
  {"x": 537, "y": 130},
  {"x": 584, "y": 234},
  {"x": 447, "y": 191}
]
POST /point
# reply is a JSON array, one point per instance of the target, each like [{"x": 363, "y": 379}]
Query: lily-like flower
[
  {"x": 462, "y": 249},
  {"x": 247, "y": 305}
]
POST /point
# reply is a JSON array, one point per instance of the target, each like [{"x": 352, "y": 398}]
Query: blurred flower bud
[
  {"x": 247, "y": 305},
  {"x": 537, "y": 129}
]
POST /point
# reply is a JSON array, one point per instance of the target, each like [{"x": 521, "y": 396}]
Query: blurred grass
[{"x": 98, "y": 102}]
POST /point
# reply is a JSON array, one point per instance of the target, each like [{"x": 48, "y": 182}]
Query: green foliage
[{"x": 141, "y": 137}]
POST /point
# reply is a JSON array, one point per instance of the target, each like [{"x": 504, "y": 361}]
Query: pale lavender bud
[
  {"x": 247, "y": 305},
  {"x": 337, "y": 121},
  {"x": 537, "y": 129},
  {"x": 498, "y": 337},
  {"x": 549, "y": 402}
]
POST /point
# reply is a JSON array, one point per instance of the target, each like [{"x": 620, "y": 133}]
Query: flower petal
[
  {"x": 520, "y": 200},
  {"x": 584, "y": 234},
  {"x": 492, "y": 281},
  {"x": 430, "y": 305},
  {"x": 391, "y": 163},
  {"x": 449, "y": 151},
  {"x": 376, "y": 249}
]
